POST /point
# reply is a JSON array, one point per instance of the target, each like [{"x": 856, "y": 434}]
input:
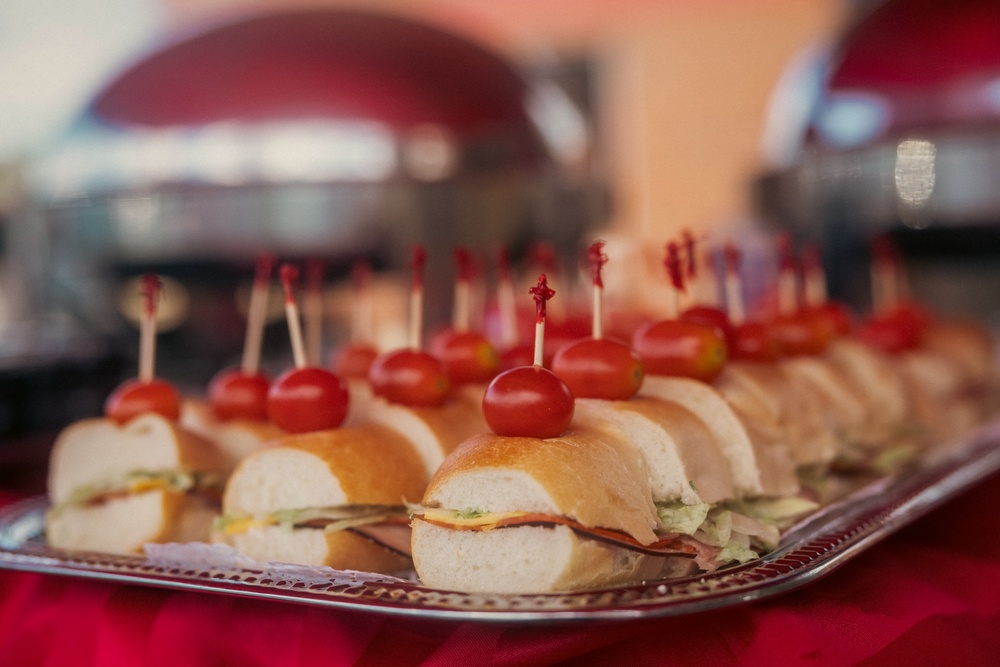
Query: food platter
[{"x": 810, "y": 550}]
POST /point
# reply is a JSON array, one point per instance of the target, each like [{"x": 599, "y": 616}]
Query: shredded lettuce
[
  {"x": 778, "y": 512},
  {"x": 680, "y": 518},
  {"x": 737, "y": 552},
  {"x": 717, "y": 528},
  {"x": 892, "y": 459},
  {"x": 136, "y": 481}
]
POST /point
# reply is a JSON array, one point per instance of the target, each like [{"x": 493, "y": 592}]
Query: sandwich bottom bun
[
  {"x": 342, "y": 550},
  {"x": 122, "y": 525},
  {"x": 529, "y": 559}
]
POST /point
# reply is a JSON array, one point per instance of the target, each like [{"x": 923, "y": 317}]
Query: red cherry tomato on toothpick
[
  {"x": 899, "y": 329},
  {"x": 307, "y": 399},
  {"x": 709, "y": 316},
  {"x": 468, "y": 356},
  {"x": 599, "y": 368},
  {"x": 679, "y": 348},
  {"x": 233, "y": 394},
  {"x": 530, "y": 401},
  {"x": 133, "y": 397},
  {"x": 521, "y": 354},
  {"x": 304, "y": 398},
  {"x": 803, "y": 332},
  {"x": 410, "y": 377},
  {"x": 241, "y": 393},
  {"x": 838, "y": 316},
  {"x": 145, "y": 393},
  {"x": 754, "y": 341},
  {"x": 354, "y": 360}
]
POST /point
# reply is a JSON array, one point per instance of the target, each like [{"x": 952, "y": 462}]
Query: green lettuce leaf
[{"x": 680, "y": 518}]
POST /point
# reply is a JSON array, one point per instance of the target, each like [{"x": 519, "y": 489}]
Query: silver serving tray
[{"x": 814, "y": 548}]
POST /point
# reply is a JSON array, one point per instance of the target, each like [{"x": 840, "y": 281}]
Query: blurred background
[{"x": 187, "y": 137}]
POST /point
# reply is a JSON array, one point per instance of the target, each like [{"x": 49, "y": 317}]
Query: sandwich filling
[
  {"x": 712, "y": 535},
  {"x": 208, "y": 485},
  {"x": 386, "y": 525}
]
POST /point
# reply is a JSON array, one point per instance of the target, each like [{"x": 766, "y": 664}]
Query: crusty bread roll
[
  {"x": 883, "y": 390},
  {"x": 682, "y": 458},
  {"x": 433, "y": 431},
  {"x": 237, "y": 438},
  {"x": 113, "y": 488},
  {"x": 969, "y": 345},
  {"x": 759, "y": 466},
  {"x": 578, "y": 476},
  {"x": 338, "y": 468},
  {"x": 936, "y": 389},
  {"x": 773, "y": 397},
  {"x": 842, "y": 406}
]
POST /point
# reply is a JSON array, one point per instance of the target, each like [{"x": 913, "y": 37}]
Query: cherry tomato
[
  {"x": 913, "y": 315},
  {"x": 468, "y": 357},
  {"x": 133, "y": 397},
  {"x": 410, "y": 377},
  {"x": 804, "y": 332},
  {"x": 599, "y": 368},
  {"x": 307, "y": 399},
  {"x": 753, "y": 341},
  {"x": 571, "y": 327},
  {"x": 837, "y": 315},
  {"x": 891, "y": 333},
  {"x": 521, "y": 354},
  {"x": 529, "y": 402},
  {"x": 235, "y": 395},
  {"x": 686, "y": 349},
  {"x": 709, "y": 316},
  {"x": 354, "y": 360}
]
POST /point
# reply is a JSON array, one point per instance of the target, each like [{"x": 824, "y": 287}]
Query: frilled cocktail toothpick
[
  {"x": 541, "y": 294},
  {"x": 147, "y": 327},
  {"x": 289, "y": 277},
  {"x": 256, "y": 314},
  {"x": 597, "y": 259}
]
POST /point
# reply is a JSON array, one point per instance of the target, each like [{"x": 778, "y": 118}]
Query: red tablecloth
[{"x": 928, "y": 595}]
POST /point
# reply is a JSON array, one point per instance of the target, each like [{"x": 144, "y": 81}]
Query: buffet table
[{"x": 927, "y": 594}]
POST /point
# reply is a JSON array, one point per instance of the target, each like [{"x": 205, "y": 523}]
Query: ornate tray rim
[{"x": 811, "y": 550}]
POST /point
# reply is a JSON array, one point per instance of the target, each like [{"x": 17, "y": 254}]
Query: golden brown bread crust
[
  {"x": 705, "y": 464},
  {"x": 453, "y": 422},
  {"x": 373, "y": 464},
  {"x": 350, "y": 551},
  {"x": 585, "y": 476}
]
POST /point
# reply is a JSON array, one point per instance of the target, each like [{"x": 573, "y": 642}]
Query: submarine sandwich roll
[
  {"x": 530, "y": 515},
  {"x": 114, "y": 487},
  {"x": 334, "y": 497}
]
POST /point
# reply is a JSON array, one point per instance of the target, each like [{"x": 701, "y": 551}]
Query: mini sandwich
[
  {"x": 760, "y": 466},
  {"x": 768, "y": 395},
  {"x": 114, "y": 488},
  {"x": 527, "y": 515},
  {"x": 842, "y": 406},
  {"x": 690, "y": 480},
  {"x": 682, "y": 458},
  {"x": 237, "y": 438},
  {"x": 953, "y": 376},
  {"x": 335, "y": 497},
  {"x": 882, "y": 387},
  {"x": 434, "y": 431}
]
